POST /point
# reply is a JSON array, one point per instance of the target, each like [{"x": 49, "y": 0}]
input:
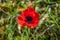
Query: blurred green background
[{"x": 47, "y": 29}]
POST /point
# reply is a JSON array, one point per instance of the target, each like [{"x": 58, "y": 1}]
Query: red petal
[
  {"x": 21, "y": 21},
  {"x": 33, "y": 24},
  {"x": 30, "y": 9},
  {"x": 29, "y": 12}
]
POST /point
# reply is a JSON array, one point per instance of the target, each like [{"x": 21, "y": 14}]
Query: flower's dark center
[{"x": 28, "y": 19}]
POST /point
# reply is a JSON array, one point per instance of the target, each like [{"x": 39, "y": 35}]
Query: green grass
[{"x": 47, "y": 29}]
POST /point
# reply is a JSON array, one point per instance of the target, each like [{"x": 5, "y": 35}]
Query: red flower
[{"x": 28, "y": 18}]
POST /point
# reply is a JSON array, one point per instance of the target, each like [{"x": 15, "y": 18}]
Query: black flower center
[{"x": 28, "y": 19}]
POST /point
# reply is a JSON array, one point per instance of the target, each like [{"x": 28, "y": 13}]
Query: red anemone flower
[{"x": 28, "y": 18}]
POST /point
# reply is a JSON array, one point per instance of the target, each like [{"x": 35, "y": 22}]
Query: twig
[
  {"x": 45, "y": 16},
  {"x": 47, "y": 29},
  {"x": 42, "y": 20}
]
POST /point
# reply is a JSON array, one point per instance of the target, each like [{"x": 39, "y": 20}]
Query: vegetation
[{"x": 47, "y": 29}]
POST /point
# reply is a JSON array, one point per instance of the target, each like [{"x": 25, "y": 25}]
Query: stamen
[{"x": 28, "y": 19}]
